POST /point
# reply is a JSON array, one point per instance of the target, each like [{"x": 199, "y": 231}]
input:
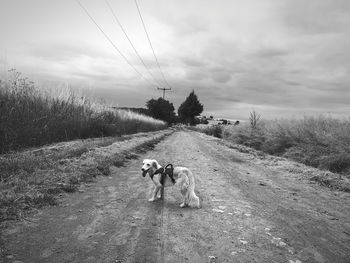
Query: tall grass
[
  {"x": 213, "y": 130},
  {"x": 31, "y": 118},
  {"x": 321, "y": 142}
]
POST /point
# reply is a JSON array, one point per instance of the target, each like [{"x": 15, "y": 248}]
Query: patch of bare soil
[{"x": 252, "y": 211}]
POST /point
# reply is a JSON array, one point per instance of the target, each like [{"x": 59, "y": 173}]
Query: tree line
[{"x": 164, "y": 110}]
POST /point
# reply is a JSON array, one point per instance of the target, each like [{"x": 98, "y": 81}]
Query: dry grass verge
[
  {"x": 31, "y": 117},
  {"x": 326, "y": 178},
  {"x": 320, "y": 142},
  {"x": 35, "y": 178}
]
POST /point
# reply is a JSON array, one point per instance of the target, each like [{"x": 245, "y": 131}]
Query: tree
[
  {"x": 161, "y": 109},
  {"x": 190, "y": 108}
]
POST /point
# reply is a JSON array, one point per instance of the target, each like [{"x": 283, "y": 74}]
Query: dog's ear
[{"x": 154, "y": 164}]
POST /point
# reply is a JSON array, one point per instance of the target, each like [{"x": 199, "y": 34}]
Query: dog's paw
[
  {"x": 150, "y": 200},
  {"x": 183, "y": 205}
]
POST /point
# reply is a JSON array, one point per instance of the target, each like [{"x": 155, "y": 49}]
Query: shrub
[
  {"x": 214, "y": 130},
  {"x": 246, "y": 134},
  {"x": 335, "y": 162}
]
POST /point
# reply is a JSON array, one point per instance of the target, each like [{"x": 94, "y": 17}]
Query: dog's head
[{"x": 149, "y": 166}]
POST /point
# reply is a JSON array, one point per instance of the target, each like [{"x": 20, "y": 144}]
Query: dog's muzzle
[{"x": 144, "y": 172}]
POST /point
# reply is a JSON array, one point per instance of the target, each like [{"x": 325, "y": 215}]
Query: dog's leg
[
  {"x": 183, "y": 204},
  {"x": 161, "y": 193},
  {"x": 155, "y": 193},
  {"x": 184, "y": 194}
]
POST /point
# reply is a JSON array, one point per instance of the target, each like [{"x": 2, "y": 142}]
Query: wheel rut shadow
[{"x": 149, "y": 246}]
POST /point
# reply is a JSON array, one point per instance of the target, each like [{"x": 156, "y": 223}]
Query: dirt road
[{"x": 252, "y": 211}]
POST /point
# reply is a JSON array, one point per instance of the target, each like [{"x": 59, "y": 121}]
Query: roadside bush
[
  {"x": 336, "y": 163},
  {"x": 321, "y": 142},
  {"x": 246, "y": 135},
  {"x": 212, "y": 130},
  {"x": 277, "y": 138}
]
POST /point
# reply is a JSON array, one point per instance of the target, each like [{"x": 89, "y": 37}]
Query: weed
[{"x": 103, "y": 166}]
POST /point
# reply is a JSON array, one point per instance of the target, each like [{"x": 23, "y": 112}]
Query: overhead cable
[
  {"x": 150, "y": 43},
  {"x": 112, "y": 43},
  {"x": 130, "y": 42}
]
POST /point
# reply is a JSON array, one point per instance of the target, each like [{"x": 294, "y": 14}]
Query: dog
[{"x": 179, "y": 176}]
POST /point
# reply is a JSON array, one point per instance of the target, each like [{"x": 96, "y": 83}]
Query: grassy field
[
  {"x": 321, "y": 142},
  {"x": 30, "y": 117}
]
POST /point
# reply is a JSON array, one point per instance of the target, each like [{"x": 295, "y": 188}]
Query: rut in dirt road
[{"x": 252, "y": 211}]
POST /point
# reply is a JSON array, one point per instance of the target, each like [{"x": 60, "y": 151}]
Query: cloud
[
  {"x": 63, "y": 51},
  {"x": 195, "y": 75},
  {"x": 193, "y": 62},
  {"x": 280, "y": 57},
  {"x": 292, "y": 83},
  {"x": 192, "y": 25},
  {"x": 317, "y": 16},
  {"x": 269, "y": 52},
  {"x": 221, "y": 77}
]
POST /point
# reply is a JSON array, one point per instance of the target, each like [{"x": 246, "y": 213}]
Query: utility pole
[{"x": 163, "y": 89}]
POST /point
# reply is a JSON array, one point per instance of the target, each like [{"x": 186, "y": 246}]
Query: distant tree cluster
[{"x": 164, "y": 110}]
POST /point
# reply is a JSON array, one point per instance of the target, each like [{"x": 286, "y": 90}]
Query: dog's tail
[{"x": 192, "y": 197}]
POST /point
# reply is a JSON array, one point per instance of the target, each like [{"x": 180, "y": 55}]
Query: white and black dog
[{"x": 165, "y": 177}]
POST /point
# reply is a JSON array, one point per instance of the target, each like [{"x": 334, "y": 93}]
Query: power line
[
  {"x": 150, "y": 43},
  {"x": 130, "y": 42},
  {"x": 112, "y": 43}
]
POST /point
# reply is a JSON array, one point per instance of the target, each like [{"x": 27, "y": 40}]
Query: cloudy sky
[{"x": 282, "y": 58}]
